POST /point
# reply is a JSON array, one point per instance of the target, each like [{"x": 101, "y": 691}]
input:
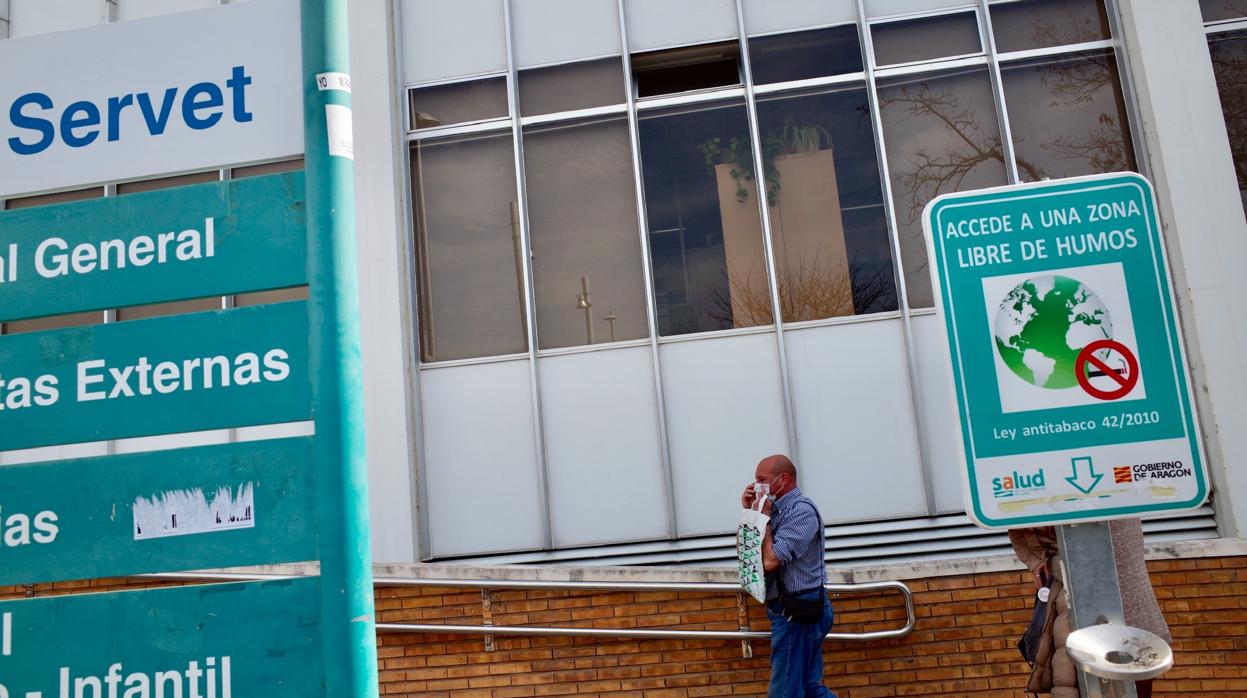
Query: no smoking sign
[
  {"x": 1053, "y": 296},
  {"x": 1107, "y": 370}
]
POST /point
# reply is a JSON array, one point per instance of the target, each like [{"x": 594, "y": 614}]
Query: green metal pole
[{"x": 348, "y": 629}]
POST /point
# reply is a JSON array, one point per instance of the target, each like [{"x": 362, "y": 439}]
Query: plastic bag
[{"x": 749, "y": 550}]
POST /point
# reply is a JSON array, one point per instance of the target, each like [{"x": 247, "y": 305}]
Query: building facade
[{"x": 588, "y": 311}]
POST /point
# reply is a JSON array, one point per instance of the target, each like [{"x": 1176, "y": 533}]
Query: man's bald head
[{"x": 773, "y": 467}]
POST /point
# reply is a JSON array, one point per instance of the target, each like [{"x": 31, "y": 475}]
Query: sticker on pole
[{"x": 1066, "y": 358}]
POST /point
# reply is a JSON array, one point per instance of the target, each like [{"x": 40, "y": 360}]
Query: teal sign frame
[
  {"x": 240, "y": 640},
  {"x": 195, "y": 241},
  {"x": 224, "y": 505},
  {"x": 107, "y": 382},
  {"x": 1068, "y": 368}
]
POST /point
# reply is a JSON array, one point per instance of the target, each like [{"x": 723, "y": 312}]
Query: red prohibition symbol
[{"x": 1124, "y": 383}]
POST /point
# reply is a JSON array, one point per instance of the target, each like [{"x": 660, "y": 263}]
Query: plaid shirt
[{"x": 797, "y": 533}]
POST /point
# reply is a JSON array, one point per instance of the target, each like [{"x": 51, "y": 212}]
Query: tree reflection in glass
[
  {"x": 1229, "y": 64},
  {"x": 832, "y": 254},
  {"x": 940, "y": 136},
  {"x": 1067, "y": 116},
  {"x": 704, "y": 225}
]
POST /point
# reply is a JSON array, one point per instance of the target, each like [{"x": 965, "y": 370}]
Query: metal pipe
[
  {"x": 560, "y": 631},
  {"x": 898, "y": 264},
  {"x": 998, "y": 90},
  {"x": 768, "y": 242},
  {"x": 623, "y": 632},
  {"x": 520, "y": 210},
  {"x": 651, "y": 318}
]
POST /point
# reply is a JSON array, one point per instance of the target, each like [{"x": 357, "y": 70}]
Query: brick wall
[{"x": 963, "y": 644}]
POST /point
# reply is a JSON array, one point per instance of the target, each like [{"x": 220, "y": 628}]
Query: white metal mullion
[
  {"x": 530, "y": 314},
  {"x": 1226, "y": 25},
  {"x": 998, "y": 89},
  {"x": 421, "y": 522},
  {"x": 1098, "y": 45},
  {"x": 651, "y": 318},
  {"x": 898, "y": 268},
  {"x": 1128, "y": 93},
  {"x": 768, "y": 244}
]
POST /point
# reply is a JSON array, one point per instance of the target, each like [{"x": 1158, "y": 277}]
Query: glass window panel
[
  {"x": 705, "y": 232},
  {"x": 553, "y": 31},
  {"x": 583, "y": 227},
  {"x": 30, "y": 17},
  {"x": 59, "y": 197},
  {"x": 267, "y": 168},
  {"x": 885, "y": 8},
  {"x": 1068, "y": 116},
  {"x": 832, "y": 251},
  {"x": 444, "y": 105},
  {"x": 571, "y": 86},
  {"x": 279, "y": 295},
  {"x": 924, "y": 39},
  {"x": 468, "y": 254},
  {"x": 763, "y": 16},
  {"x": 940, "y": 135},
  {"x": 138, "y": 9},
  {"x": 661, "y": 23},
  {"x": 808, "y": 54},
  {"x": 1030, "y": 24},
  {"x": 1229, "y": 64},
  {"x": 139, "y": 312},
  {"x": 53, "y": 322},
  {"x": 167, "y": 182},
  {"x": 448, "y": 39},
  {"x": 1218, "y": 10},
  {"x": 685, "y": 69}
]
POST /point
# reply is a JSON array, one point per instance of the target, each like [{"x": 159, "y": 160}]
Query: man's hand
[{"x": 747, "y": 497}]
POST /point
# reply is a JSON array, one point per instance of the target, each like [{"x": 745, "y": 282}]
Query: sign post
[
  {"x": 1068, "y": 369},
  {"x": 263, "y": 502},
  {"x": 349, "y": 634}
]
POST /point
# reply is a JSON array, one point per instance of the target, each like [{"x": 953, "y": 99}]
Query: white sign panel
[{"x": 181, "y": 92}]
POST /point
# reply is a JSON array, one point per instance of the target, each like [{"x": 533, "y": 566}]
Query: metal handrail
[
  {"x": 631, "y": 633},
  {"x": 569, "y": 631}
]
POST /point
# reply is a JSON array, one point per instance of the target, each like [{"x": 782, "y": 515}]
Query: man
[{"x": 792, "y": 555}]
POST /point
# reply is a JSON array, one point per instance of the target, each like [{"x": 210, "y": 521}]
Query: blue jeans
[{"x": 797, "y": 652}]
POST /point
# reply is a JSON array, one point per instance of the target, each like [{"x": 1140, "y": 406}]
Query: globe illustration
[{"x": 1043, "y": 323}]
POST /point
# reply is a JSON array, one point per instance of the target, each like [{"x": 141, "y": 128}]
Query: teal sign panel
[
  {"x": 184, "y": 509},
  {"x": 210, "y": 370},
  {"x": 241, "y": 640},
  {"x": 1068, "y": 368},
  {"x": 187, "y": 242}
]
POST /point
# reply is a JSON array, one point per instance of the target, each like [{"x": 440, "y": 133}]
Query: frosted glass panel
[
  {"x": 450, "y": 39},
  {"x": 30, "y": 17},
  {"x": 47, "y": 453},
  {"x": 553, "y": 31},
  {"x": 481, "y": 467},
  {"x": 858, "y": 455},
  {"x": 884, "y": 8},
  {"x": 137, "y": 9},
  {"x": 159, "y": 443},
  {"x": 603, "y": 453},
  {"x": 663, "y": 24},
  {"x": 764, "y": 16},
  {"x": 275, "y": 431},
  {"x": 725, "y": 412},
  {"x": 940, "y": 427}
]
